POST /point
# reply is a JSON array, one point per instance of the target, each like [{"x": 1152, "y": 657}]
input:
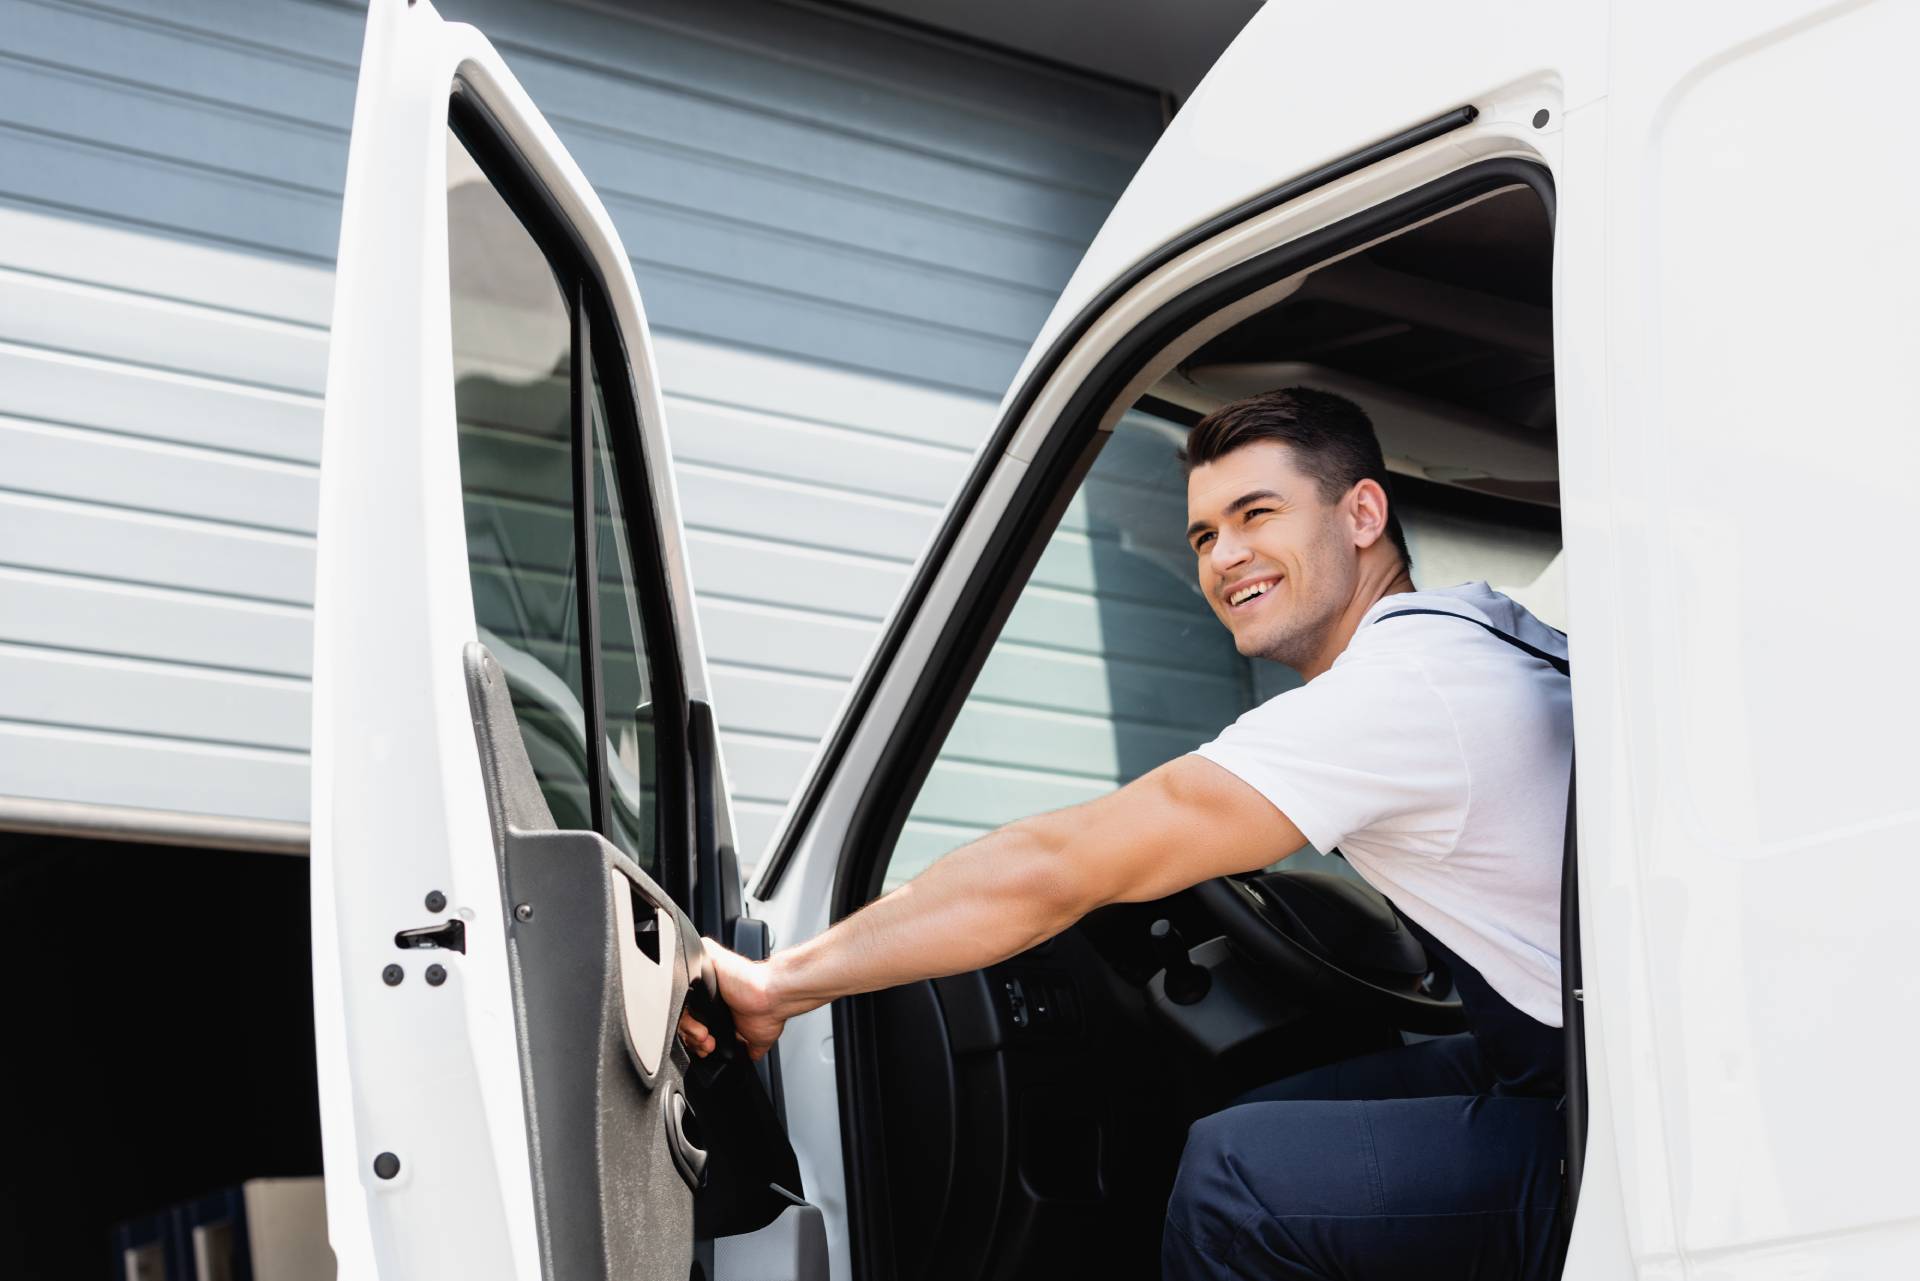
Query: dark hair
[{"x": 1330, "y": 437}]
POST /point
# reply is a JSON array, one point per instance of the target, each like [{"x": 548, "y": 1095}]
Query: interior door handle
[{"x": 683, "y": 1133}]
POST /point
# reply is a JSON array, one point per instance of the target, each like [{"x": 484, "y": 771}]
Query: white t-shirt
[{"x": 1435, "y": 756}]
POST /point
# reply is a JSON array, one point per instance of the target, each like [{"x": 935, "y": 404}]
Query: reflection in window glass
[
  {"x": 1112, "y": 662},
  {"x": 512, "y": 368},
  {"x": 625, "y": 690}
]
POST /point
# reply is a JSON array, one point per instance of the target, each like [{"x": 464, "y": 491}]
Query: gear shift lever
[{"x": 1185, "y": 982}]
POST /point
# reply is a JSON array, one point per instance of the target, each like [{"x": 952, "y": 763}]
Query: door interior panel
[
  {"x": 632, "y": 1145},
  {"x": 611, "y": 1197}
]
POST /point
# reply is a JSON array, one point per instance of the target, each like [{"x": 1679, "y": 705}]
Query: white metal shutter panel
[{"x": 846, "y": 235}]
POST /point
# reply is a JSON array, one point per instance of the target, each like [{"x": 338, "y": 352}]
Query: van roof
[{"x": 1306, "y": 83}]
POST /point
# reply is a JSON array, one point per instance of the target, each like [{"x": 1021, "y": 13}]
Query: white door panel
[{"x": 488, "y": 363}]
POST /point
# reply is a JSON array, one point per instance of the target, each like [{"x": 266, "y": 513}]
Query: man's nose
[{"x": 1227, "y": 553}]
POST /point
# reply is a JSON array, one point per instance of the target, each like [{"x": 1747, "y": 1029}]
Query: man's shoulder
[{"x": 1416, "y": 623}]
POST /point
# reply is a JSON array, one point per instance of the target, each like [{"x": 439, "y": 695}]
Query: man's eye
[
  {"x": 1258, "y": 511},
  {"x": 1200, "y": 543}
]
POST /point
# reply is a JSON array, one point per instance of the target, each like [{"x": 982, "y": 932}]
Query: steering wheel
[{"x": 1336, "y": 941}]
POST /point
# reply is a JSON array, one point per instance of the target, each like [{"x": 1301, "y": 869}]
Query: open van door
[{"x": 517, "y": 808}]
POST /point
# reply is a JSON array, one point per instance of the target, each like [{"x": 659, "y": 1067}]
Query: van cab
[{"x": 1623, "y": 289}]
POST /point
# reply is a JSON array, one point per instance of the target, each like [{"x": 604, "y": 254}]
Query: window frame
[{"x": 599, "y": 345}]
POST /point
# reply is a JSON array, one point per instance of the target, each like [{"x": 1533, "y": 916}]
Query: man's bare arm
[{"x": 1184, "y": 823}]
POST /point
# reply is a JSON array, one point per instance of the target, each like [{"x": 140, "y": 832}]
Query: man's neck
[{"x": 1376, "y": 583}]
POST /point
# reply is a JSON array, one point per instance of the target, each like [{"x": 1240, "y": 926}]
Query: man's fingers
[{"x": 695, "y": 1036}]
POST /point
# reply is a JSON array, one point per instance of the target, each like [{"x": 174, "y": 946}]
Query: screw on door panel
[
  {"x": 392, "y": 975},
  {"x": 523, "y": 912}
]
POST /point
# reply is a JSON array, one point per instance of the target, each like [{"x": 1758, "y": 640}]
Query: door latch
[{"x": 450, "y": 935}]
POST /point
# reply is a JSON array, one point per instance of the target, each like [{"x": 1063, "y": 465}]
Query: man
[{"x": 1431, "y": 743}]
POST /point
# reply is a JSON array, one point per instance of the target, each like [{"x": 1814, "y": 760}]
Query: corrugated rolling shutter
[{"x": 846, "y": 235}]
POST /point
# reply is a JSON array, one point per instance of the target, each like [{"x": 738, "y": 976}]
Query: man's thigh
[
  {"x": 1434, "y": 1188},
  {"x": 1444, "y": 1065}
]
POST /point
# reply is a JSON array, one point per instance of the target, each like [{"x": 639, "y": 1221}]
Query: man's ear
[{"x": 1367, "y": 509}]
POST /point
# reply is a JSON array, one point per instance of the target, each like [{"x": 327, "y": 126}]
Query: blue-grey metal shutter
[{"x": 845, "y": 234}]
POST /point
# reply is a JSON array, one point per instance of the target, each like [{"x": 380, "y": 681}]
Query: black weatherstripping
[
  {"x": 586, "y": 541},
  {"x": 962, "y": 507},
  {"x": 1573, "y": 1008},
  {"x": 715, "y": 900}
]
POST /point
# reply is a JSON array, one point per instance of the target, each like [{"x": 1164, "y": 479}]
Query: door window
[{"x": 536, "y": 452}]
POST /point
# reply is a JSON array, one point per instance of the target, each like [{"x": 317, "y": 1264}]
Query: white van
[{"x": 1625, "y": 290}]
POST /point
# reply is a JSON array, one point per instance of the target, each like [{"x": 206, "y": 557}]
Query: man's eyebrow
[{"x": 1244, "y": 500}]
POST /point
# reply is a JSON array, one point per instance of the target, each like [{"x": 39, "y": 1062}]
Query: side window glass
[
  {"x": 1111, "y": 663},
  {"x": 513, "y": 376},
  {"x": 517, "y": 389}
]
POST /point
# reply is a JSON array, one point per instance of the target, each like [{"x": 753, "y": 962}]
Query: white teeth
[{"x": 1246, "y": 594}]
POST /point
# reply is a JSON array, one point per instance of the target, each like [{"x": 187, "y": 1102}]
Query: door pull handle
[{"x": 683, "y": 1134}]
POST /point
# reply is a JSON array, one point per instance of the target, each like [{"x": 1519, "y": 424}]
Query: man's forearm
[
  {"x": 1011, "y": 889},
  {"x": 981, "y": 904}
]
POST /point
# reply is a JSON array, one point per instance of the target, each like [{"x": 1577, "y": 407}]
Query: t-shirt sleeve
[{"x": 1363, "y": 746}]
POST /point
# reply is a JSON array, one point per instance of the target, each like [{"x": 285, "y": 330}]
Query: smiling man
[{"x": 1431, "y": 744}]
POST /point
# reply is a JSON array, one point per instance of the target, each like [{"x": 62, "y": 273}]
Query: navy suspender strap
[
  {"x": 1554, "y": 661},
  {"x": 1572, "y": 1015}
]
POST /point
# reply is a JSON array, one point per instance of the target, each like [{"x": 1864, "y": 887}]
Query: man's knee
[
  {"x": 1201, "y": 1197},
  {"x": 1207, "y": 1204},
  {"x": 1248, "y": 1169}
]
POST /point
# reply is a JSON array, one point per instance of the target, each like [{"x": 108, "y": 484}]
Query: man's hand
[{"x": 745, "y": 987}]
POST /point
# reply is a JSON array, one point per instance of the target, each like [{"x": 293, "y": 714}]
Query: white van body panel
[
  {"x": 1305, "y": 85},
  {"x": 1736, "y": 435},
  {"x": 1733, "y": 352},
  {"x": 1737, "y": 537},
  {"x": 428, "y": 1074}
]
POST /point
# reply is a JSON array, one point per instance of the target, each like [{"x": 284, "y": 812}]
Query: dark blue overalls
[{"x": 1437, "y": 1160}]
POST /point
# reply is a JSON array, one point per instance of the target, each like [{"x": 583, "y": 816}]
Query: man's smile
[{"x": 1244, "y": 593}]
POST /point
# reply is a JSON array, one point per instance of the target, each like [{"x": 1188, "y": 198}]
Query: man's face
[{"x": 1277, "y": 563}]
